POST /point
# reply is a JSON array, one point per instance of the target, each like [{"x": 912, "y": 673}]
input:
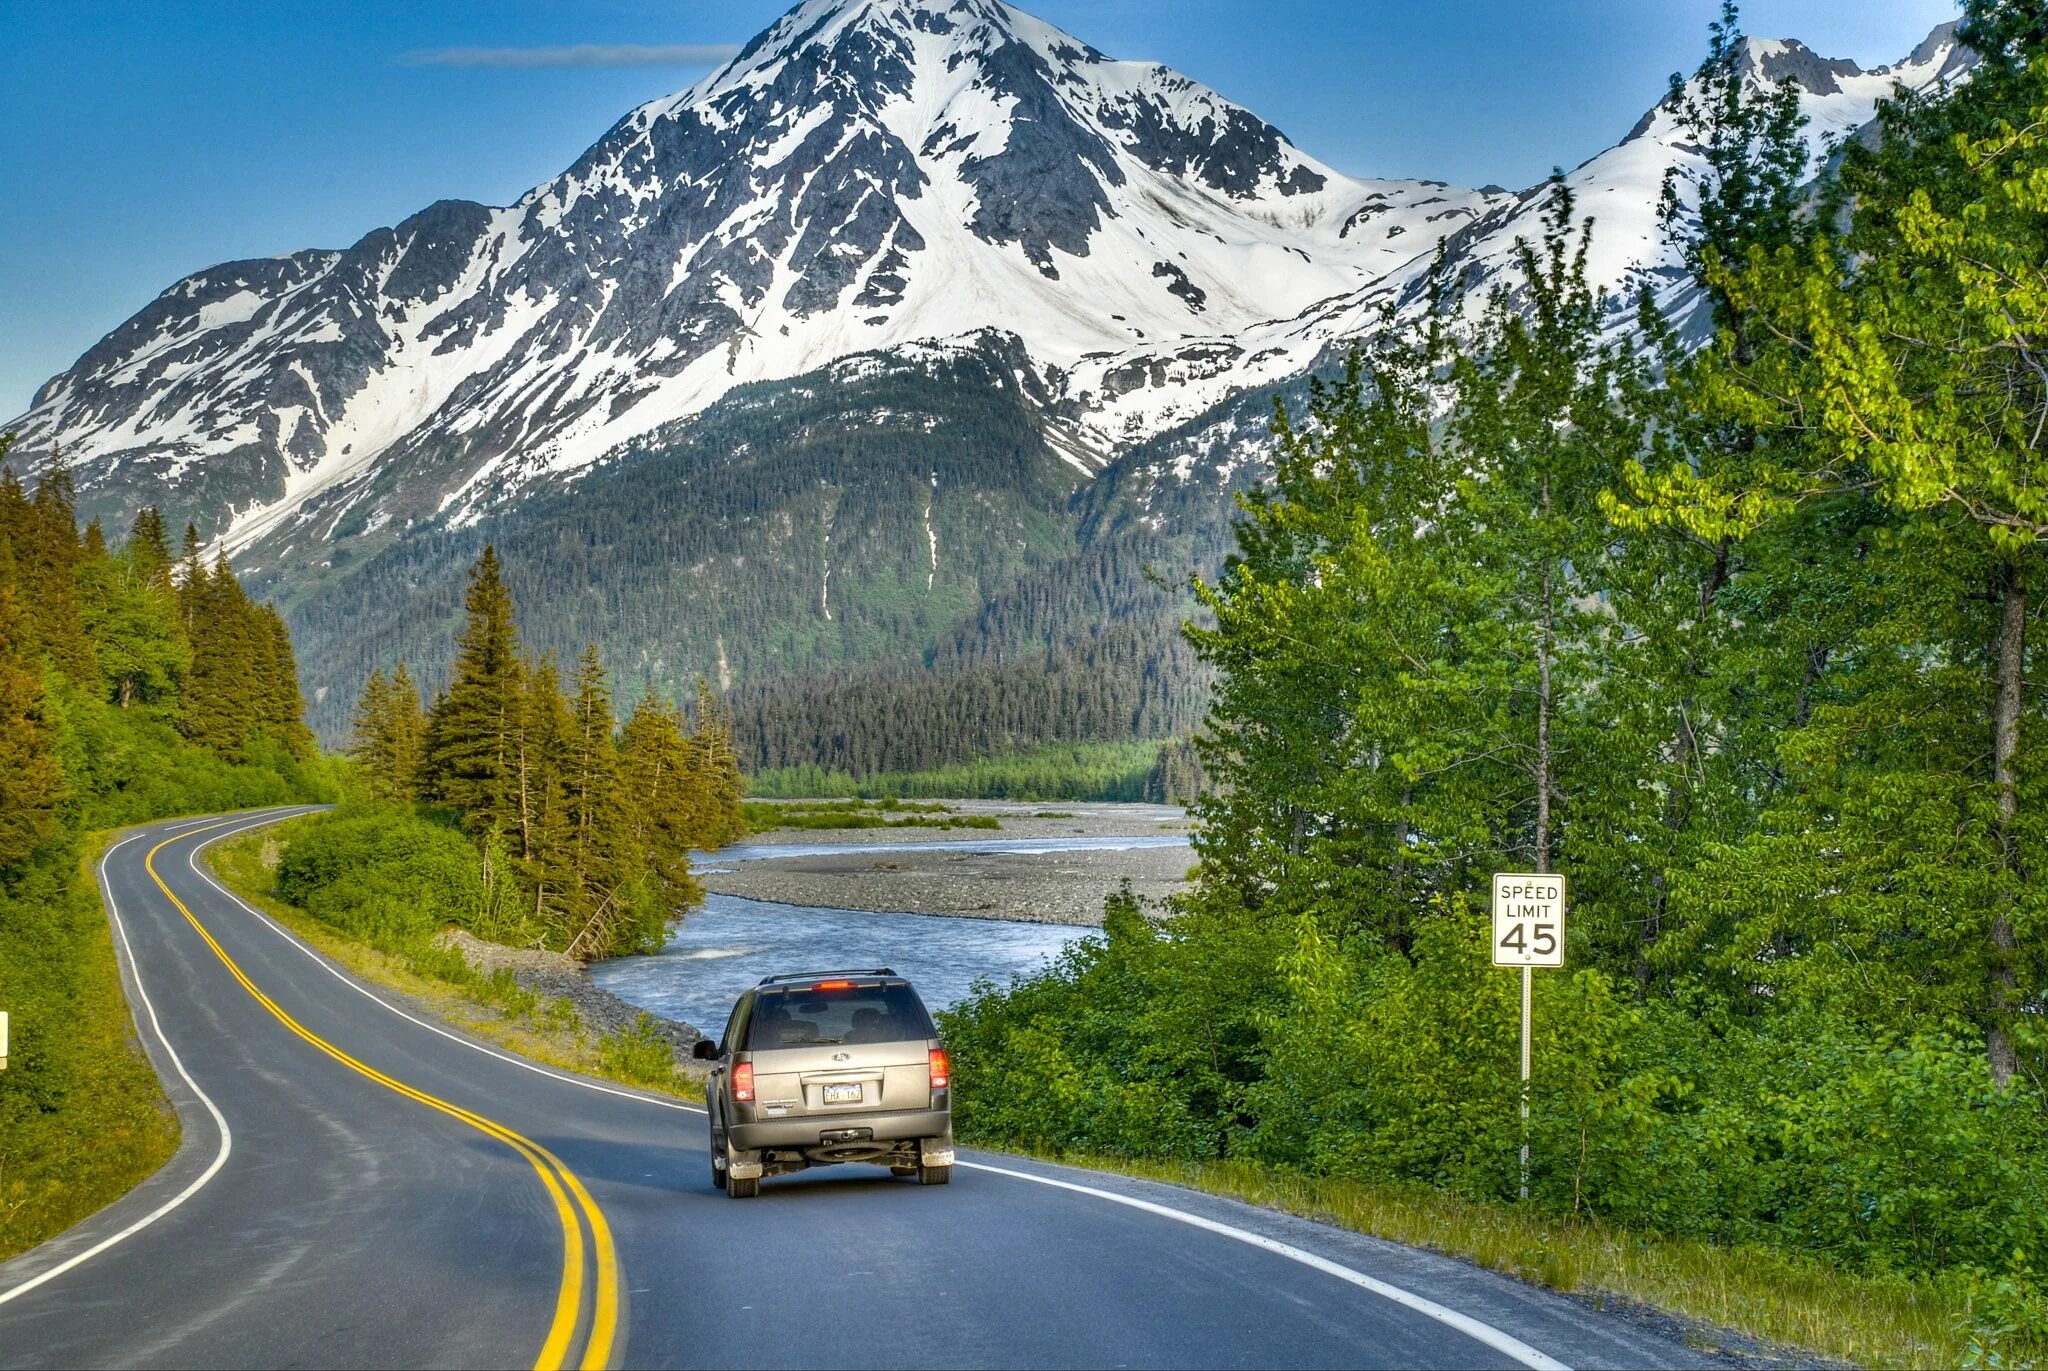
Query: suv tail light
[
  {"x": 942, "y": 1070},
  {"x": 743, "y": 1083}
]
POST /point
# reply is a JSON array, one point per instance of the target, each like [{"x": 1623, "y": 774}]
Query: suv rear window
[{"x": 805, "y": 1016}]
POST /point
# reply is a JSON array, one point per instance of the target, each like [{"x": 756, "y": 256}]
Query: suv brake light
[
  {"x": 743, "y": 1083},
  {"x": 833, "y": 985},
  {"x": 942, "y": 1070}
]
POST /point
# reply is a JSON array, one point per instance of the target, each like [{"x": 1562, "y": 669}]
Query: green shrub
[
  {"x": 639, "y": 1053},
  {"x": 1225, "y": 1036},
  {"x": 391, "y": 877}
]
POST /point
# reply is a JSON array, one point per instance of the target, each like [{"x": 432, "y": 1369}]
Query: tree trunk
[
  {"x": 1397, "y": 936},
  {"x": 1684, "y": 744},
  {"x": 1543, "y": 727},
  {"x": 2005, "y": 743}
]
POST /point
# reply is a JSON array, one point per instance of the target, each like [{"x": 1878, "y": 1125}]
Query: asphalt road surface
[{"x": 361, "y": 1187}]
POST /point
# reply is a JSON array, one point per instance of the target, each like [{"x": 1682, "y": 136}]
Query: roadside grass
[
  {"x": 1792, "y": 1304},
  {"x": 440, "y": 981},
  {"x": 93, "y": 1122}
]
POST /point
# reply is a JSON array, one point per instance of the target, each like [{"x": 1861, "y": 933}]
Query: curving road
[{"x": 360, "y": 1187}]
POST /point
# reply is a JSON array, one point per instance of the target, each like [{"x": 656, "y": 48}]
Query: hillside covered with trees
[
  {"x": 1740, "y": 640},
  {"x": 134, "y": 685}
]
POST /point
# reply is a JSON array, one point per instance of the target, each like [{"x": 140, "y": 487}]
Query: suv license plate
[{"x": 843, "y": 1094}]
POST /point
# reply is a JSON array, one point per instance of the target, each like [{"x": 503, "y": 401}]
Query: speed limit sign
[{"x": 1528, "y": 919}]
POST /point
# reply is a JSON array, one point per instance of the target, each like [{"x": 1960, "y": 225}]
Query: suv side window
[{"x": 736, "y": 1026}]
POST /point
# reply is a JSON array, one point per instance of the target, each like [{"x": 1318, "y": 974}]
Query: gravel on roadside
[{"x": 559, "y": 977}]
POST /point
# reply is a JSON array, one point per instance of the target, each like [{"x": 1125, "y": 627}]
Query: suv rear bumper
[{"x": 806, "y": 1131}]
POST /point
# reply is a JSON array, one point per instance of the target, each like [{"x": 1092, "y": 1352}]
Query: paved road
[{"x": 358, "y": 1187}]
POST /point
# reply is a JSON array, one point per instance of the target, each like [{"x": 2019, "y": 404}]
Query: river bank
[{"x": 1072, "y": 858}]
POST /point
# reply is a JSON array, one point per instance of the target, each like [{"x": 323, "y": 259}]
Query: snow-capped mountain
[
  {"x": 911, "y": 336},
  {"x": 864, "y": 174}
]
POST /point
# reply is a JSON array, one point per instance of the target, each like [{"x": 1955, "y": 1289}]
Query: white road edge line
[
  {"x": 192, "y": 861},
  {"x": 1484, "y": 1333},
  {"x": 227, "y": 1137},
  {"x": 1464, "y": 1323}
]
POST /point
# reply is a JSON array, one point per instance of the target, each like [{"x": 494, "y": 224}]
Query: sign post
[{"x": 1528, "y": 932}]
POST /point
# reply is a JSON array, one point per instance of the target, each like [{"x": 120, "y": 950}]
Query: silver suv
[{"x": 828, "y": 1066}]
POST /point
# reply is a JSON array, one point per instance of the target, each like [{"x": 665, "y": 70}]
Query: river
[{"x": 732, "y": 943}]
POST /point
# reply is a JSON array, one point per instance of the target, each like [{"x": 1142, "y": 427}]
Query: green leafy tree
[
  {"x": 1915, "y": 364},
  {"x": 32, "y": 784}
]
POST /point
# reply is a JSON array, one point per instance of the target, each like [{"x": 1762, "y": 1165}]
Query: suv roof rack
[{"x": 815, "y": 975}]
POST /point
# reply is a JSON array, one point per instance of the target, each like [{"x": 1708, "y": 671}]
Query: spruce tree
[
  {"x": 405, "y": 733},
  {"x": 46, "y": 558},
  {"x": 223, "y": 699},
  {"x": 717, "y": 766},
  {"x": 471, "y": 761},
  {"x": 545, "y": 820},
  {"x": 280, "y": 707},
  {"x": 149, "y": 547},
  {"x": 367, "y": 747},
  {"x": 660, "y": 799}
]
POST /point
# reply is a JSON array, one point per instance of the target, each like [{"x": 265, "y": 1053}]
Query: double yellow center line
[{"x": 563, "y": 1187}]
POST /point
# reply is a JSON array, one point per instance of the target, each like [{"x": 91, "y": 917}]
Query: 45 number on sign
[{"x": 1528, "y": 919}]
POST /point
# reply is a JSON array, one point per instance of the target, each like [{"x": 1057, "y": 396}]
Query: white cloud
[{"x": 576, "y": 55}]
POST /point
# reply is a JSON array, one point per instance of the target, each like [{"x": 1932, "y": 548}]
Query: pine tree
[
  {"x": 128, "y": 610},
  {"x": 545, "y": 820},
  {"x": 367, "y": 747},
  {"x": 603, "y": 864},
  {"x": 717, "y": 765},
  {"x": 149, "y": 547},
  {"x": 280, "y": 707},
  {"x": 191, "y": 577},
  {"x": 225, "y": 692},
  {"x": 660, "y": 809},
  {"x": 405, "y": 734},
  {"x": 46, "y": 557},
  {"x": 471, "y": 740}
]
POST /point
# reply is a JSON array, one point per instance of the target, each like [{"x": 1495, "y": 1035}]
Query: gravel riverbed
[{"x": 921, "y": 873}]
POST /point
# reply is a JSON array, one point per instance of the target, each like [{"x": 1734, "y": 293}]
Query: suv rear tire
[
  {"x": 934, "y": 1175},
  {"x": 718, "y": 1175},
  {"x": 743, "y": 1189}
]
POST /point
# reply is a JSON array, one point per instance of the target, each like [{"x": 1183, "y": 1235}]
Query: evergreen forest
[{"x": 1736, "y": 637}]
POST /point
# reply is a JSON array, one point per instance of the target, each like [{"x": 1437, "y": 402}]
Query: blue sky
[{"x": 144, "y": 139}]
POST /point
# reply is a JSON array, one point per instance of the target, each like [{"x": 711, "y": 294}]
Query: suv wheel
[
  {"x": 743, "y": 1189},
  {"x": 934, "y": 1175},
  {"x": 717, "y": 1175}
]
